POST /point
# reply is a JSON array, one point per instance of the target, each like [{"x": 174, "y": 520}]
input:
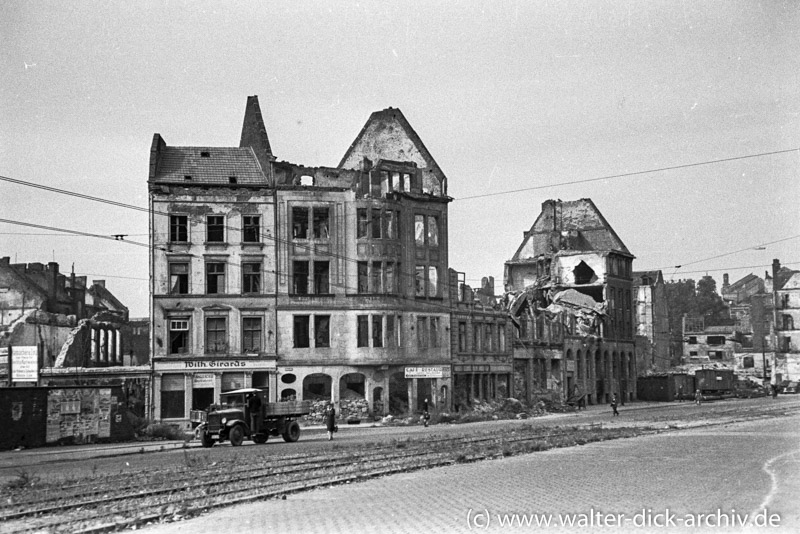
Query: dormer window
[
  {"x": 187, "y": 178},
  {"x": 205, "y": 154},
  {"x": 231, "y": 179}
]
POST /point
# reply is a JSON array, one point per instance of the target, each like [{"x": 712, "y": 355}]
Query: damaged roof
[
  {"x": 204, "y": 165},
  {"x": 387, "y": 135},
  {"x": 575, "y": 225}
]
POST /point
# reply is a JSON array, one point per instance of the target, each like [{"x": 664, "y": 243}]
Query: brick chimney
[{"x": 52, "y": 279}]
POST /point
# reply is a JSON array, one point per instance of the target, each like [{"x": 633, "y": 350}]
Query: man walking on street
[
  {"x": 614, "y": 404},
  {"x": 254, "y": 406}
]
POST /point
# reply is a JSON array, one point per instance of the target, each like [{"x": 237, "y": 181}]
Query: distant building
[
  {"x": 76, "y": 330},
  {"x": 570, "y": 289},
  {"x": 708, "y": 344},
  {"x": 651, "y": 322},
  {"x": 481, "y": 348},
  {"x": 786, "y": 290}
]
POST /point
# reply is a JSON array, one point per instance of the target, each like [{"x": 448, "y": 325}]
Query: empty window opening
[
  {"x": 300, "y": 223},
  {"x": 301, "y": 331},
  {"x": 306, "y": 180},
  {"x": 231, "y": 179},
  {"x": 595, "y": 292},
  {"x": 215, "y": 229},
  {"x": 205, "y": 154},
  {"x": 354, "y": 382},
  {"x": 322, "y": 332},
  {"x": 321, "y": 219},
  {"x": 300, "y": 277},
  {"x": 584, "y": 274},
  {"x": 321, "y": 277},
  {"x": 187, "y": 178},
  {"x": 251, "y": 229}
]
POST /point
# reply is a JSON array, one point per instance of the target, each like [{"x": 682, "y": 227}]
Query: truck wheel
[
  {"x": 206, "y": 440},
  {"x": 292, "y": 432},
  {"x": 236, "y": 435},
  {"x": 261, "y": 438}
]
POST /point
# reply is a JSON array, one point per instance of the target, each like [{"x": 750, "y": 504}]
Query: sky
[{"x": 518, "y": 101}]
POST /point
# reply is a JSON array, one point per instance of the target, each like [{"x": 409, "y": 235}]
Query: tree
[{"x": 710, "y": 305}]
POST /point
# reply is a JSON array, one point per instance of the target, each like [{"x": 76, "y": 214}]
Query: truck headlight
[{"x": 224, "y": 420}]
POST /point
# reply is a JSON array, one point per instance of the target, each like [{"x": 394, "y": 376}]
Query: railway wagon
[{"x": 715, "y": 382}]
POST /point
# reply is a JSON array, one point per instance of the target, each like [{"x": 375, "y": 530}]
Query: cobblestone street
[{"x": 734, "y": 469}]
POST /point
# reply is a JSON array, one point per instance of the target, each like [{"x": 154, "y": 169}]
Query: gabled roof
[
  {"x": 387, "y": 135},
  {"x": 784, "y": 277},
  {"x": 742, "y": 282},
  {"x": 208, "y": 165},
  {"x": 792, "y": 283},
  {"x": 654, "y": 277},
  {"x": 107, "y": 299},
  {"x": 575, "y": 225},
  {"x": 24, "y": 280}
]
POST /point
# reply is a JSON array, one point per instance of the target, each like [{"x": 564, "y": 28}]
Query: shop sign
[
  {"x": 25, "y": 364},
  {"x": 4, "y": 361},
  {"x": 216, "y": 365},
  {"x": 203, "y": 380},
  {"x": 433, "y": 371}
]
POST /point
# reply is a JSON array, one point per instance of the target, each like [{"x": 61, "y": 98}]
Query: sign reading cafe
[{"x": 430, "y": 371}]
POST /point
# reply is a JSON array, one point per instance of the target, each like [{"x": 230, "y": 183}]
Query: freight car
[{"x": 715, "y": 383}]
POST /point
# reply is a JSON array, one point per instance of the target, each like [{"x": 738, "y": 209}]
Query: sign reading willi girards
[{"x": 25, "y": 364}]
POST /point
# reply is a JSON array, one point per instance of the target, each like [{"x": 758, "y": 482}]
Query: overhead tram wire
[
  {"x": 401, "y": 273},
  {"x": 279, "y": 240},
  {"x": 731, "y": 253},
  {"x": 629, "y": 174},
  {"x": 78, "y": 233}
]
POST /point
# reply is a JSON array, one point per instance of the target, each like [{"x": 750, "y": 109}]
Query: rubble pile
[
  {"x": 352, "y": 405},
  {"x": 354, "y": 408}
]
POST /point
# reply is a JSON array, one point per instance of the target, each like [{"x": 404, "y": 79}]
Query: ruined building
[
  {"x": 569, "y": 290},
  {"x": 651, "y": 322},
  {"x": 481, "y": 348},
  {"x": 75, "y": 333},
  {"x": 320, "y": 283},
  {"x": 785, "y": 288}
]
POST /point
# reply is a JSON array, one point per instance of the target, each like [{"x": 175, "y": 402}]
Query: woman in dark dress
[{"x": 330, "y": 420}]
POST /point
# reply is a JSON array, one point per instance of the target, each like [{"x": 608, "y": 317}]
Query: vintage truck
[{"x": 230, "y": 420}]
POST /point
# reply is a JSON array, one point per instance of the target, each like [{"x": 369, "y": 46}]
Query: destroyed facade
[
  {"x": 569, "y": 290},
  {"x": 652, "y": 322},
  {"x": 72, "y": 333},
  {"x": 312, "y": 283},
  {"x": 481, "y": 348}
]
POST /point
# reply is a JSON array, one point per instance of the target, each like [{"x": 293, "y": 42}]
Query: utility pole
[{"x": 776, "y": 267}]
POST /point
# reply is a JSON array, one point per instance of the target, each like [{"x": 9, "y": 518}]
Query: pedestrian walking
[
  {"x": 614, "y": 404},
  {"x": 330, "y": 420},
  {"x": 680, "y": 393},
  {"x": 254, "y": 407},
  {"x": 425, "y": 414},
  {"x": 774, "y": 390},
  {"x": 698, "y": 397}
]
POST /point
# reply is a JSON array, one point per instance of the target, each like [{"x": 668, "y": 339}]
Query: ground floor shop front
[
  {"x": 359, "y": 392},
  {"x": 589, "y": 371}
]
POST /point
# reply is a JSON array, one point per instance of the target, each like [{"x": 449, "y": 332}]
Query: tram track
[{"x": 108, "y": 503}]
